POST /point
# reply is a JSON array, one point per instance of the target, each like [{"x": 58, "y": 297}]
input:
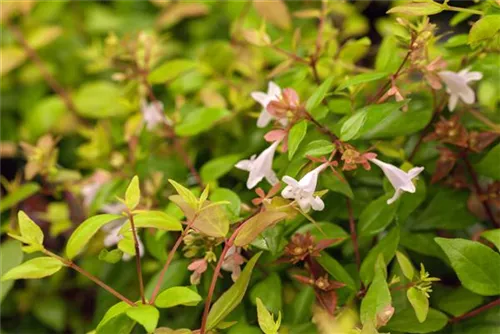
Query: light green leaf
[
  {"x": 200, "y": 120},
  {"x": 420, "y": 8},
  {"x": 295, "y": 137},
  {"x": 153, "y": 219},
  {"x": 275, "y": 12},
  {"x": 36, "y": 268},
  {"x": 319, "y": 94},
  {"x": 100, "y": 99},
  {"x": 113, "y": 311},
  {"x": 146, "y": 315},
  {"x": 376, "y": 217},
  {"x": 11, "y": 255},
  {"x": 232, "y": 297},
  {"x": 177, "y": 295},
  {"x": 334, "y": 268},
  {"x": 363, "y": 78},
  {"x": 255, "y": 225},
  {"x": 419, "y": 302},
  {"x": 223, "y": 194},
  {"x": 85, "y": 231},
  {"x": 485, "y": 28},
  {"x": 352, "y": 126},
  {"x": 377, "y": 299},
  {"x": 17, "y": 196},
  {"x": 387, "y": 247},
  {"x": 11, "y": 57},
  {"x": 406, "y": 322},
  {"x": 185, "y": 193},
  {"x": 405, "y": 265},
  {"x": 170, "y": 70},
  {"x": 42, "y": 36},
  {"x": 112, "y": 256},
  {"x": 492, "y": 236},
  {"x": 266, "y": 319},
  {"x": 218, "y": 167},
  {"x": 133, "y": 193},
  {"x": 318, "y": 148},
  {"x": 476, "y": 265},
  {"x": 29, "y": 230}
]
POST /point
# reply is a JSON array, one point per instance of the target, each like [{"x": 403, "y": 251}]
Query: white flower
[
  {"x": 273, "y": 94},
  {"x": 400, "y": 180},
  {"x": 303, "y": 191},
  {"x": 260, "y": 167},
  {"x": 152, "y": 113},
  {"x": 457, "y": 86}
]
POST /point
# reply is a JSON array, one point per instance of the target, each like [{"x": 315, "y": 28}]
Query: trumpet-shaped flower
[
  {"x": 303, "y": 191},
  {"x": 260, "y": 167},
  {"x": 273, "y": 94},
  {"x": 400, "y": 180},
  {"x": 457, "y": 86},
  {"x": 152, "y": 113}
]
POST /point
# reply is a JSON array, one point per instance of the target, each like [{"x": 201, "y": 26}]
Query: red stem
[
  {"x": 354, "y": 236},
  {"x": 137, "y": 257},
  {"x": 476, "y": 311}
]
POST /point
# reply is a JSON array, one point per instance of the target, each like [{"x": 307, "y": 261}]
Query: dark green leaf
[
  {"x": 363, "y": 78},
  {"x": 19, "y": 195},
  {"x": 407, "y": 322},
  {"x": 319, "y": 94},
  {"x": 376, "y": 217},
  {"x": 334, "y": 268},
  {"x": 218, "y": 167},
  {"x": 295, "y": 137}
]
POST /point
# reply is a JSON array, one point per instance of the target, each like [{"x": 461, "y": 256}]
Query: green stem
[{"x": 463, "y": 10}]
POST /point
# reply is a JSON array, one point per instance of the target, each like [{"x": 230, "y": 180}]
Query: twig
[
  {"x": 475, "y": 312},
  {"x": 137, "y": 257},
  {"x": 290, "y": 55},
  {"x": 169, "y": 260},
  {"x": 354, "y": 237},
  {"x": 96, "y": 280},
  {"x": 485, "y": 120},
  {"x": 323, "y": 129},
  {"x": 477, "y": 186}
]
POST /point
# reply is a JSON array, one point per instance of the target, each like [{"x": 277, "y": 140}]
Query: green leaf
[
  {"x": 232, "y": 297},
  {"x": 376, "y": 217},
  {"x": 274, "y": 12},
  {"x": 100, "y": 99},
  {"x": 301, "y": 309},
  {"x": 146, "y": 315},
  {"x": 295, "y": 137},
  {"x": 223, "y": 194},
  {"x": 12, "y": 57},
  {"x": 476, "y": 265},
  {"x": 334, "y": 268},
  {"x": 266, "y": 319},
  {"x": 35, "y": 268},
  {"x": 408, "y": 203},
  {"x": 492, "y": 236},
  {"x": 407, "y": 322},
  {"x": 269, "y": 290},
  {"x": 177, "y": 295},
  {"x": 51, "y": 311},
  {"x": 113, "y": 311},
  {"x": 218, "y": 167},
  {"x": 363, "y": 78},
  {"x": 153, "y": 219},
  {"x": 110, "y": 256},
  {"x": 170, "y": 70},
  {"x": 176, "y": 274},
  {"x": 459, "y": 301},
  {"x": 386, "y": 59},
  {"x": 447, "y": 210},
  {"x": 352, "y": 126},
  {"x": 354, "y": 50},
  {"x": 488, "y": 166},
  {"x": 85, "y": 231},
  {"x": 336, "y": 184},
  {"x": 30, "y": 231},
  {"x": 18, "y": 195},
  {"x": 323, "y": 231},
  {"x": 377, "y": 299},
  {"x": 319, "y": 94},
  {"x": 185, "y": 193},
  {"x": 318, "y": 148},
  {"x": 419, "y": 302},
  {"x": 387, "y": 247},
  {"x": 200, "y": 120},
  {"x": 118, "y": 325},
  {"x": 406, "y": 266},
  {"x": 133, "y": 193},
  {"x": 485, "y": 28},
  {"x": 417, "y": 8},
  {"x": 255, "y": 225},
  {"x": 11, "y": 255}
]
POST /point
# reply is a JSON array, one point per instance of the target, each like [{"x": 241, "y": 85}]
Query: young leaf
[
  {"x": 492, "y": 236},
  {"x": 133, "y": 193},
  {"x": 319, "y": 94},
  {"x": 266, "y": 319},
  {"x": 485, "y": 28},
  {"x": 255, "y": 225},
  {"x": 405, "y": 265},
  {"x": 30, "y": 231},
  {"x": 178, "y": 295},
  {"x": 334, "y": 268},
  {"x": 232, "y": 297},
  {"x": 269, "y": 291},
  {"x": 318, "y": 148},
  {"x": 376, "y": 217},
  {"x": 185, "y": 193},
  {"x": 110, "y": 256},
  {"x": 275, "y": 12},
  {"x": 377, "y": 298},
  {"x": 35, "y": 268},
  {"x": 419, "y": 302},
  {"x": 154, "y": 219},
  {"x": 295, "y": 137},
  {"x": 417, "y": 8},
  {"x": 85, "y": 231},
  {"x": 18, "y": 195},
  {"x": 146, "y": 315},
  {"x": 477, "y": 266}
]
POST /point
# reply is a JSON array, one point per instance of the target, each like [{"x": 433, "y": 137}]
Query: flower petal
[
  {"x": 244, "y": 165},
  {"x": 317, "y": 204},
  {"x": 452, "y": 102},
  {"x": 273, "y": 91},
  {"x": 261, "y": 98},
  {"x": 264, "y": 118},
  {"x": 467, "y": 95},
  {"x": 396, "y": 195}
]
